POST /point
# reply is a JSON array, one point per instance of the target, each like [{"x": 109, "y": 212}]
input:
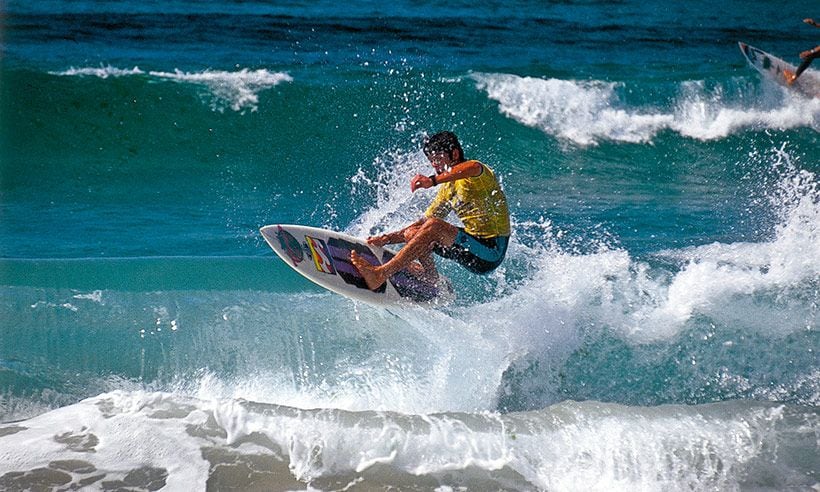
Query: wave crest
[
  {"x": 238, "y": 90},
  {"x": 588, "y": 112}
]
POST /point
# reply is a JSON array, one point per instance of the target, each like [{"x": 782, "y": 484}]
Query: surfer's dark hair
[{"x": 443, "y": 142}]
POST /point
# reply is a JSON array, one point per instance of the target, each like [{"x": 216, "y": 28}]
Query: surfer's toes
[
  {"x": 359, "y": 262},
  {"x": 368, "y": 271}
]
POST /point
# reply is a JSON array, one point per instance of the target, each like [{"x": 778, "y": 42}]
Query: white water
[
  {"x": 237, "y": 90},
  {"x": 588, "y": 112},
  {"x": 139, "y": 437}
]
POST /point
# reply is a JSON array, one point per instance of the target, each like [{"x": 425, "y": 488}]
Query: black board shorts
[{"x": 479, "y": 255}]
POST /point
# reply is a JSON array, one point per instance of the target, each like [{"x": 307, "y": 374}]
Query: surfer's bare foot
[
  {"x": 790, "y": 76},
  {"x": 371, "y": 274}
]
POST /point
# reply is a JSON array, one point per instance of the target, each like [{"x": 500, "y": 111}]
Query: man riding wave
[{"x": 467, "y": 187}]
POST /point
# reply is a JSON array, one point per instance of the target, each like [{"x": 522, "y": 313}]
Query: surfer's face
[{"x": 441, "y": 161}]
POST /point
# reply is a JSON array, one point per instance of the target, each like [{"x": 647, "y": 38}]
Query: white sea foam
[
  {"x": 763, "y": 287},
  {"x": 416, "y": 372},
  {"x": 727, "y": 282},
  {"x": 146, "y": 440},
  {"x": 101, "y": 72},
  {"x": 394, "y": 205},
  {"x": 113, "y": 434},
  {"x": 237, "y": 90},
  {"x": 588, "y": 112},
  {"x": 95, "y": 296}
]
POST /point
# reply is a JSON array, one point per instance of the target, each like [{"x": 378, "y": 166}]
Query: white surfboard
[
  {"x": 773, "y": 67},
  {"x": 323, "y": 257}
]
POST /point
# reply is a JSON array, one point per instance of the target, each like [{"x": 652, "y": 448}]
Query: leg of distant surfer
[
  {"x": 432, "y": 231},
  {"x": 803, "y": 66}
]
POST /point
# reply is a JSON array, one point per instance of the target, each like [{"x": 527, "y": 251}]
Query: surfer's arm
[
  {"x": 466, "y": 169},
  {"x": 810, "y": 54},
  {"x": 811, "y": 22},
  {"x": 462, "y": 170}
]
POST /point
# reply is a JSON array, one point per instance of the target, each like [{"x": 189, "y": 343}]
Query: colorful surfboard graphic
[
  {"x": 321, "y": 255},
  {"x": 290, "y": 246}
]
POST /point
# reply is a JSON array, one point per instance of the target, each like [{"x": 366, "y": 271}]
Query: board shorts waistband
[{"x": 479, "y": 255}]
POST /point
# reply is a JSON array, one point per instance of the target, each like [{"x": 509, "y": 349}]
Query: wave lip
[
  {"x": 588, "y": 112},
  {"x": 582, "y": 112},
  {"x": 237, "y": 90}
]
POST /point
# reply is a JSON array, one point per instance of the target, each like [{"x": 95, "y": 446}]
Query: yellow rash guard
[{"x": 477, "y": 201}]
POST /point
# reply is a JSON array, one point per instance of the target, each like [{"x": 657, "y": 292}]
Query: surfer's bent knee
[{"x": 435, "y": 223}]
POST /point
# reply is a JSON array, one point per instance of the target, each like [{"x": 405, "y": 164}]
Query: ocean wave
[
  {"x": 694, "y": 314},
  {"x": 144, "y": 439},
  {"x": 591, "y": 324},
  {"x": 765, "y": 285},
  {"x": 237, "y": 90},
  {"x": 690, "y": 325},
  {"x": 589, "y": 112}
]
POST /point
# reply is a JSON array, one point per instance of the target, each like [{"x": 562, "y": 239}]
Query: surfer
[
  {"x": 467, "y": 187},
  {"x": 807, "y": 56}
]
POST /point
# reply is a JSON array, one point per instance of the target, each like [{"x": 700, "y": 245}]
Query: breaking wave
[
  {"x": 238, "y": 90},
  {"x": 589, "y": 112}
]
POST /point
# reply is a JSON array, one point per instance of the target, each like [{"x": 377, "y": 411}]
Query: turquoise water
[{"x": 654, "y": 326}]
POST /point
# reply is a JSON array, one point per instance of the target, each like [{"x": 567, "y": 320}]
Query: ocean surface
[{"x": 654, "y": 326}]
